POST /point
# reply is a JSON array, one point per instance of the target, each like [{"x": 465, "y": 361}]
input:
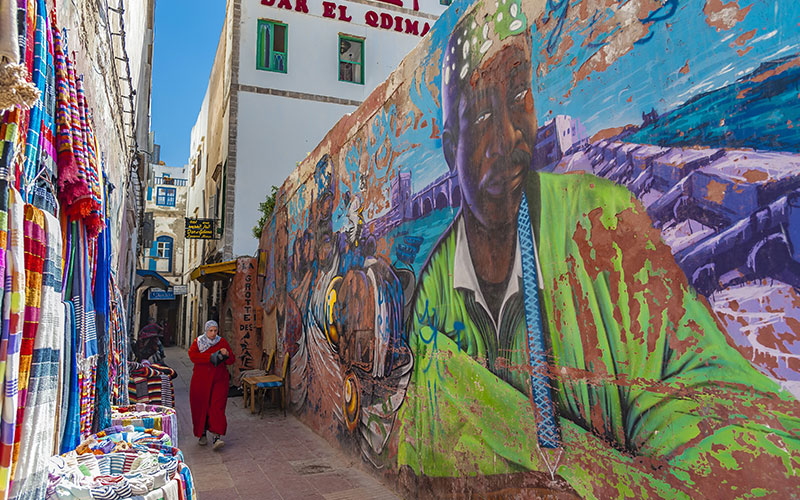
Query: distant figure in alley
[{"x": 208, "y": 393}]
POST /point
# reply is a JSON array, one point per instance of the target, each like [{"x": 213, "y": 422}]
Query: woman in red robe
[{"x": 208, "y": 392}]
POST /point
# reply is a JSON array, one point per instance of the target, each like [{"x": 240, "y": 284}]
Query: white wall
[
  {"x": 313, "y": 47},
  {"x": 274, "y": 134}
]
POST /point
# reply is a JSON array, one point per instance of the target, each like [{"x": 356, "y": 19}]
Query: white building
[
  {"x": 162, "y": 260},
  {"x": 284, "y": 73},
  {"x": 294, "y": 68}
]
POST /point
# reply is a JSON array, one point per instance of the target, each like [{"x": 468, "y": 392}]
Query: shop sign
[
  {"x": 200, "y": 229},
  {"x": 180, "y": 289},
  {"x": 156, "y": 294}
]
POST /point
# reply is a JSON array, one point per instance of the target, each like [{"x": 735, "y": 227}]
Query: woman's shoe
[
  {"x": 218, "y": 442},
  {"x": 203, "y": 440}
]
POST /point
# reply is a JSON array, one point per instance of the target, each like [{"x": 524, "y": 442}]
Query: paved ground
[{"x": 273, "y": 457}]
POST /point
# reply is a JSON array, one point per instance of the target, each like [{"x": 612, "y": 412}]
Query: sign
[
  {"x": 372, "y": 18},
  {"x": 156, "y": 294},
  {"x": 200, "y": 229},
  {"x": 180, "y": 289}
]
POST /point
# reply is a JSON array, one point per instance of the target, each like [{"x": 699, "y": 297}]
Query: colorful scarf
[
  {"x": 101, "y": 302},
  {"x": 13, "y": 314},
  {"x": 30, "y": 476},
  {"x": 39, "y": 79},
  {"x": 70, "y": 388},
  {"x": 35, "y": 243},
  {"x": 67, "y": 162}
]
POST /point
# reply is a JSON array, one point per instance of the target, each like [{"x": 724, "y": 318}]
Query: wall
[{"x": 619, "y": 323}]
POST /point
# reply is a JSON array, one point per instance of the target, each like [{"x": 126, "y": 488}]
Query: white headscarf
[{"x": 203, "y": 342}]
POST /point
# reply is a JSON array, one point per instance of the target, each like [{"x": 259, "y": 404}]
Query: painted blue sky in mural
[
  {"x": 636, "y": 83},
  {"x": 619, "y": 95}
]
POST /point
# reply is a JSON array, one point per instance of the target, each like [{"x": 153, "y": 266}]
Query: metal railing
[{"x": 169, "y": 181}]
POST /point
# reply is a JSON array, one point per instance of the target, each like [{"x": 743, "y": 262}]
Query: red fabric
[{"x": 208, "y": 392}]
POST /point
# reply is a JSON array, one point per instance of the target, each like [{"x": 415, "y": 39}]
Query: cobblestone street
[{"x": 273, "y": 457}]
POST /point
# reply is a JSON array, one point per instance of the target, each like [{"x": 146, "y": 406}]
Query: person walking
[{"x": 208, "y": 392}]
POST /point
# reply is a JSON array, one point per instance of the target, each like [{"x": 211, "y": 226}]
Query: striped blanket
[
  {"x": 152, "y": 384},
  {"x": 70, "y": 389},
  {"x": 13, "y": 313},
  {"x": 36, "y": 424},
  {"x": 35, "y": 243},
  {"x": 67, "y": 166},
  {"x": 39, "y": 79}
]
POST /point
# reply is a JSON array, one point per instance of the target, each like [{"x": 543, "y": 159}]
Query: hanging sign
[
  {"x": 156, "y": 294},
  {"x": 200, "y": 229}
]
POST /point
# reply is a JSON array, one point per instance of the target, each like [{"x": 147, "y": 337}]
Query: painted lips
[{"x": 505, "y": 176}]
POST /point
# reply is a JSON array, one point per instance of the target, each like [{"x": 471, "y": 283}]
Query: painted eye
[
  {"x": 521, "y": 95},
  {"x": 483, "y": 117}
]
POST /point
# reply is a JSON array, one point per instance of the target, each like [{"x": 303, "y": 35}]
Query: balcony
[{"x": 169, "y": 181}]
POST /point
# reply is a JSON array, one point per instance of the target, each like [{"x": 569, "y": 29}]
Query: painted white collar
[{"x": 464, "y": 272}]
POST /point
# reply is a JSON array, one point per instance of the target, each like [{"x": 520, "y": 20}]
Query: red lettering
[
  {"x": 425, "y": 29},
  {"x": 268, "y": 3},
  {"x": 343, "y": 14},
  {"x": 399, "y": 3},
  {"x": 328, "y": 9},
  {"x": 285, "y": 4},
  {"x": 386, "y": 21},
  {"x": 301, "y": 6},
  {"x": 398, "y": 24},
  {"x": 371, "y": 18},
  {"x": 412, "y": 27},
  {"x": 416, "y": 4}
]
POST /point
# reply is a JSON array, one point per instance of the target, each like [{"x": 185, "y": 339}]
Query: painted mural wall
[{"x": 558, "y": 251}]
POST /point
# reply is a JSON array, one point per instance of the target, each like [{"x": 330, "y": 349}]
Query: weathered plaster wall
[
  {"x": 477, "y": 308},
  {"x": 243, "y": 331}
]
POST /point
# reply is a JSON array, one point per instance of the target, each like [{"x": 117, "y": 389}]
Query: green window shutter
[
  {"x": 351, "y": 59},
  {"x": 272, "y": 46}
]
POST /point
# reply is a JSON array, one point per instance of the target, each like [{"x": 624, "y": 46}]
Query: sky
[{"x": 186, "y": 38}]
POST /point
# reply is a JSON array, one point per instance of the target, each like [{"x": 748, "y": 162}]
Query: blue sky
[{"x": 186, "y": 38}]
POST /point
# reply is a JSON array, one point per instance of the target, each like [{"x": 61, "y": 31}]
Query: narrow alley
[{"x": 273, "y": 457}]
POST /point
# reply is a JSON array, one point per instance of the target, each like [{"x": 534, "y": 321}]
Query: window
[
  {"x": 271, "y": 46},
  {"x": 351, "y": 59},
  {"x": 164, "y": 250},
  {"x": 165, "y": 196}
]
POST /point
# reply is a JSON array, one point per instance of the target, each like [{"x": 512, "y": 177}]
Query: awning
[
  {"x": 149, "y": 273},
  {"x": 214, "y": 272}
]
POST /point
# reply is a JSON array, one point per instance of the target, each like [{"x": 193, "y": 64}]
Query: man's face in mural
[
  {"x": 492, "y": 143},
  {"x": 324, "y": 231}
]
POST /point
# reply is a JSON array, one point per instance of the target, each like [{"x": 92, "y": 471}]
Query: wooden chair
[
  {"x": 275, "y": 382},
  {"x": 249, "y": 382}
]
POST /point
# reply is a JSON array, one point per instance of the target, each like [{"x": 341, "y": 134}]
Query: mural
[{"x": 557, "y": 253}]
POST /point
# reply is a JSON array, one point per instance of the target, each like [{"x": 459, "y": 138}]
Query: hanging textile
[
  {"x": 16, "y": 91},
  {"x": 13, "y": 311},
  {"x": 70, "y": 400},
  {"x": 38, "y": 431},
  {"x": 39, "y": 80},
  {"x": 35, "y": 244}
]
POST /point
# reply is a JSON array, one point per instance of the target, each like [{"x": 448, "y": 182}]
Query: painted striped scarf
[
  {"x": 13, "y": 315},
  {"x": 30, "y": 477},
  {"x": 35, "y": 243}
]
